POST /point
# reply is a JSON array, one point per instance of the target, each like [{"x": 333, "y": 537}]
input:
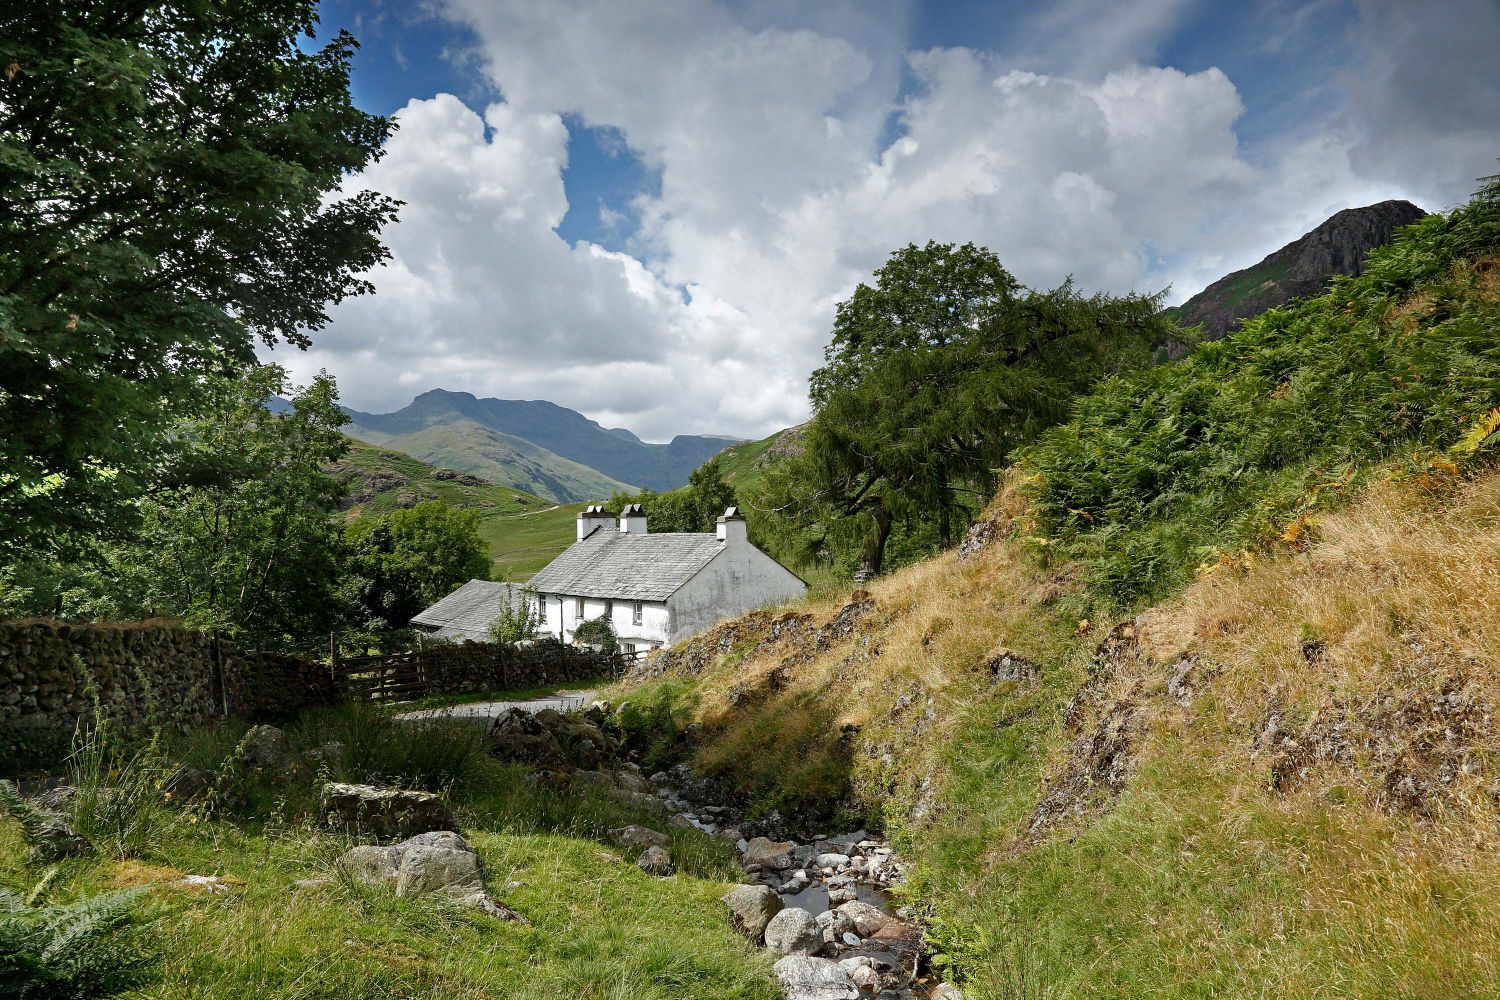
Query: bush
[
  {"x": 118, "y": 803},
  {"x": 380, "y": 749},
  {"x": 598, "y": 633},
  {"x": 1172, "y": 467},
  {"x": 71, "y": 951}
]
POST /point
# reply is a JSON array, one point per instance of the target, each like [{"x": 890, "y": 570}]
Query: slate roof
[
  {"x": 468, "y": 612},
  {"x": 628, "y": 567}
]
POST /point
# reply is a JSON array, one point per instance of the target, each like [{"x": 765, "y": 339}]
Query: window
[
  {"x": 609, "y": 611},
  {"x": 635, "y": 613},
  {"x": 628, "y": 648},
  {"x": 578, "y": 609}
]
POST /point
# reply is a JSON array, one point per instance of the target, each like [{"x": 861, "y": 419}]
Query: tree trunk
[{"x": 874, "y": 556}]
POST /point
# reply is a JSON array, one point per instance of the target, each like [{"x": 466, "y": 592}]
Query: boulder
[
  {"x": 186, "y": 783},
  {"x": 426, "y": 868},
  {"x": 52, "y": 839},
  {"x": 370, "y": 864},
  {"x": 805, "y": 978},
  {"x": 517, "y": 735},
  {"x": 769, "y": 854},
  {"x": 266, "y": 748},
  {"x": 639, "y": 801},
  {"x": 751, "y": 908},
  {"x": 385, "y": 812},
  {"x": 793, "y": 931},
  {"x": 638, "y": 838},
  {"x": 56, "y": 799},
  {"x": 832, "y": 861},
  {"x": 655, "y": 861},
  {"x": 867, "y": 919},
  {"x": 833, "y": 925}
]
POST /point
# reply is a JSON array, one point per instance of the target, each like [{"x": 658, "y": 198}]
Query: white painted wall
[
  {"x": 560, "y": 618},
  {"x": 739, "y": 579}
]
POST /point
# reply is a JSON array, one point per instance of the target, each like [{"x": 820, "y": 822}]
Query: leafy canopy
[
  {"x": 168, "y": 179},
  {"x": 407, "y": 560},
  {"x": 934, "y": 374},
  {"x": 694, "y": 507}
]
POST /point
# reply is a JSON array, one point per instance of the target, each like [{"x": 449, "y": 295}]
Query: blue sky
[{"x": 647, "y": 210}]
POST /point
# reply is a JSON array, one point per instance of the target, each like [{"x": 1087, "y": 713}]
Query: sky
[{"x": 648, "y": 210}]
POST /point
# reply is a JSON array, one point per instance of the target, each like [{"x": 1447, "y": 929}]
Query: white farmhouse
[{"x": 657, "y": 589}]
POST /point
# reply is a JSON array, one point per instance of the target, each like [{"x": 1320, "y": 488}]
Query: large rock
[
  {"x": 751, "y": 908},
  {"x": 517, "y": 735},
  {"x": 833, "y": 925},
  {"x": 867, "y": 919},
  {"x": 655, "y": 861},
  {"x": 638, "y": 838},
  {"x": 438, "y": 862},
  {"x": 806, "y": 978},
  {"x": 385, "y": 812},
  {"x": 769, "y": 854},
  {"x": 426, "y": 868},
  {"x": 267, "y": 748},
  {"x": 52, "y": 838},
  {"x": 793, "y": 931}
]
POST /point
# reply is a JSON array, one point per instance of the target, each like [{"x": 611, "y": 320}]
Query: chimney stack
[
  {"x": 731, "y": 527},
  {"x": 591, "y": 518},
  {"x": 633, "y": 520}
]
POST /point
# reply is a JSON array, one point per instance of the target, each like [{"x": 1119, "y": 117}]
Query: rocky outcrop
[
  {"x": 1303, "y": 267},
  {"x": 439, "y": 863},
  {"x": 793, "y": 931},
  {"x": 805, "y": 978},
  {"x": 751, "y": 908},
  {"x": 385, "y": 812}
]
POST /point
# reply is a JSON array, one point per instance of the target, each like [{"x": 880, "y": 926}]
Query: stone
[
  {"x": 803, "y": 977},
  {"x": 751, "y": 908},
  {"x": 639, "y": 801},
  {"x": 947, "y": 991},
  {"x": 832, "y": 861},
  {"x": 385, "y": 812},
  {"x": 867, "y": 919},
  {"x": 683, "y": 821},
  {"x": 793, "y": 931},
  {"x": 425, "y": 868},
  {"x": 53, "y": 839},
  {"x": 775, "y": 855},
  {"x": 638, "y": 838},
  {"x": 56, "y": 799},
  {"x": 370, "y": 864},
  {"x": 840, "y": 894},
  {"x": 833, "y": 925},
  {"x": 266, "y": 747},
  {"x": 865, "y": 979},
  {"x": 655, "y": 861}
]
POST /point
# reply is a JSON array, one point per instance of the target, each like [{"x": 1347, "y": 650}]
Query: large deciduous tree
[
  {"x": 935, "y": 372},
  {"x": 169, "y": 178},
  {"x": 408, "y": 559}
]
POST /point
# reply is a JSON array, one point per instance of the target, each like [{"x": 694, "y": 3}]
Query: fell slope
[{"x": 381, "y": 480}]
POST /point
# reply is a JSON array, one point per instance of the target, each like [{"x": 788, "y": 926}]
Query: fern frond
[{"x": 1484, "y": 432}]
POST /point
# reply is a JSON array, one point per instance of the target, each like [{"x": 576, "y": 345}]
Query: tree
[
  {"x": 597, "y": 632},
  {"x": 409, "y": 559},
  {"x": 694, "y": 507},
  {"x": 933, "y": 375},
  {"x": 245, "y": 545},
  {"x": 167, "y": 197},
  {"x": 518, "y": 622}
]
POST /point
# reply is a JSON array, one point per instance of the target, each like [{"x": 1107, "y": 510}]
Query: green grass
[
  {"x": 598, "y": 927},
  {"x": 738, "y": 460},
  {"x": 515, "y": 694},
  {"x": 522, "y": 545}
]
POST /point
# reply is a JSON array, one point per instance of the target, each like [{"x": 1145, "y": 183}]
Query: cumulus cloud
[{"x": 789, "y": 166}]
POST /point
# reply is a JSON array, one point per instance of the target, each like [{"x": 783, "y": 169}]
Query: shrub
[
  {"x": 71, "y": 951},
  {"x": 517, "y": 624},
  {"x": 381, "y": 749},
  {"x": 598, "y": 633},
  {"x": 1178, "y": 466},
  {"x": 118, "y": 803}
]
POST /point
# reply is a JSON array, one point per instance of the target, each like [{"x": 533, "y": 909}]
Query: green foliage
[
  {"x": 169, "y": 177},
  {"x": 393, "y": 477},
  {"x": 597, "y": 632},
  {"x": 117, "y": 803},
  {"x": 379, "y": 749},
  {"x": 409, "y": 559},
  {"x": 935, "y": 373},
  {"x": 694, "y": 507},
  {"x": 243, "y": 544},
  {"x": 78, "y": 950},
  {"x": 1168, "y": 468},
  {"x": 518, "y": 622}
]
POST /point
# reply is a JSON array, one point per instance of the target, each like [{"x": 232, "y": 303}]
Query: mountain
[
  {"x": 536, "y": 445},
  {"x": 1302, "y": 267}
]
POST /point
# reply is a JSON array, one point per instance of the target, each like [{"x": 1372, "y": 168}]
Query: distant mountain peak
[{"x": 1338, "y": 245}]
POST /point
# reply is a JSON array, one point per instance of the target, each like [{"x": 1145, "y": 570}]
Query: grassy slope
[
  {"x": 599, "y": 928},
  {"x": 1198, "y": 878},
  {"x": 520, "y": 546},
  {"x": 365, "y": 461},
  {"x": 1279, "y": 780},
  {"x": 738, "y": 461}
]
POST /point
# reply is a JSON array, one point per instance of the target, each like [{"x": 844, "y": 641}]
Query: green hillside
[
  {"x": 520, "y": 545},
  {"x": 501, "y": 458},
  {"x": 381, "y": 480}
]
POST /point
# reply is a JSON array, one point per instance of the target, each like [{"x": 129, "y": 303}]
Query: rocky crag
[{"x": 1302, "y": 267}]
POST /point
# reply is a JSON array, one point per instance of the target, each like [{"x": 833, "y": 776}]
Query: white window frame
[
  {"x": 578, "y": 609},
  {"x": 638, "y": 613}
]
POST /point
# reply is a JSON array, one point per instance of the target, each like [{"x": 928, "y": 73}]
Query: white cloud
[{"x": 779, "y": 189}]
